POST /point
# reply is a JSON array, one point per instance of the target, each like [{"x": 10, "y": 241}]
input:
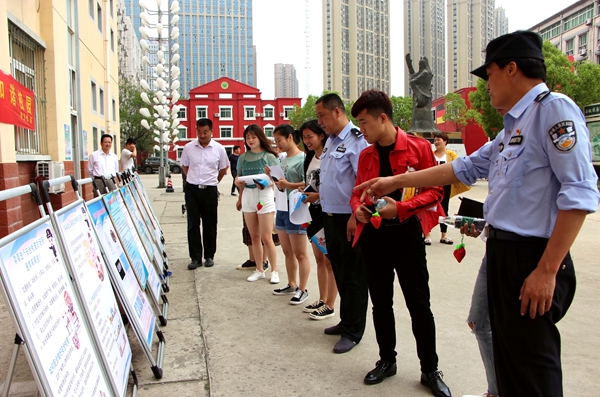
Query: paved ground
[{"x": 227, "y": 337}]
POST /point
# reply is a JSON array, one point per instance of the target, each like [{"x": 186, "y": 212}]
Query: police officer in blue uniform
[
  {"x": 339, "y": 163},
  {"x": 541, "y": 187}
]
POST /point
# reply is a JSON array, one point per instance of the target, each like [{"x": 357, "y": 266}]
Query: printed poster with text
[
  {"x": 115, "y": 255},
  {"x": 94, "y": 283},
  {"x": 50, "y": 315},
  {"x": 148, "y": 218}
]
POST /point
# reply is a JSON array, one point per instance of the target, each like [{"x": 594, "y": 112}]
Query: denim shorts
[{"x": 282, "y": 222}]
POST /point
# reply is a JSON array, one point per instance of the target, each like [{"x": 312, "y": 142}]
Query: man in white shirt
[
  {"x": 128, "y": 154},
  {"x": 204, "y": 164},
  {"x": 103, "y": 162}
]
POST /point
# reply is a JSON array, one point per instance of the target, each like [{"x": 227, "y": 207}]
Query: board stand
[{"x": 161, "y": 313}]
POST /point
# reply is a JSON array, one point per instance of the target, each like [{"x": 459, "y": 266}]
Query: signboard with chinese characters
[{"x": 17, "y": 103}]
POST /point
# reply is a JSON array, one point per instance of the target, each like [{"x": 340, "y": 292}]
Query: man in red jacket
[{"x": 401, "y": 222}]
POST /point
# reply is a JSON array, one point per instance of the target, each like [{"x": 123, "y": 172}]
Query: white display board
[
  {"x": 48, "y": 314},
  {"x": 92, "y": 279}
]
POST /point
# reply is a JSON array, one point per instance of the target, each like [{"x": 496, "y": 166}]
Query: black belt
[
  {"x": 498, "y": 234},
  {"x": 202, "y": 186}
]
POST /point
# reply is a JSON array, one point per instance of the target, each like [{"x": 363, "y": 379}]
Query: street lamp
[{"x": 164, "y": 90}]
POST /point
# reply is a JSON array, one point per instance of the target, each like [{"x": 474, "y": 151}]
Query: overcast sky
[{"x": 280, "y": 26}]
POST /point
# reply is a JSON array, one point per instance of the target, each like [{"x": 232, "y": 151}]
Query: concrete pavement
[{"x": 228, "y": 337}]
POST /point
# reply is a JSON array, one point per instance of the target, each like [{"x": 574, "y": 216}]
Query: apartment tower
[
  {"x": 424, "y": 37},
  {"x": 356, "y": 46},
  {"x": 286, "y": 82}
]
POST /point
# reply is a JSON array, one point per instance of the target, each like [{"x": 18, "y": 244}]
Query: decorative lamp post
[{"x": 163, "y": 93}]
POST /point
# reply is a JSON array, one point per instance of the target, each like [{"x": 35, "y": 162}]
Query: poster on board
[
  {"x": 96, "y": 291},
  {"x": 147, "y": 214},
  {"x": 144, "y": 316},
  {"x": 49, "y": 315}
]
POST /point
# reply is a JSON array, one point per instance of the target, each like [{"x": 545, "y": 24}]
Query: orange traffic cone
[{"x": 170, "y": 185}]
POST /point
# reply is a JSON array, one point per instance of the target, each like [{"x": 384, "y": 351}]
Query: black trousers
[
  {"x": 400, "y": 248},
  {"x": 201, "y": 207},
  {"x": 445, "y": 204},
  {"x": 526, "y": 351},
  {"x": 350, "y": 277},
  {"x": 233, "y": 186}
]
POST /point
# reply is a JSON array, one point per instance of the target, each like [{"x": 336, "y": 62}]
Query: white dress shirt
[
  {"x": 204, "y": 162},
  {"x": 101, "y": 164}
]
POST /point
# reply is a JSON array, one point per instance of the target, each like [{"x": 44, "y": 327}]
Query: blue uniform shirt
[
  {"x": 538, "y": 164},
  {"x": 339, "y": 163}
]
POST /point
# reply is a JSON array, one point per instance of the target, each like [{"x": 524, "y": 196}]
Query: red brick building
[
  {"x": 231, "y": 106},
  {"x": 472, "y": 135}
]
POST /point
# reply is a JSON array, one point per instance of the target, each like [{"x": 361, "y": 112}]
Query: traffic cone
[{"x": 170, "y": 185}]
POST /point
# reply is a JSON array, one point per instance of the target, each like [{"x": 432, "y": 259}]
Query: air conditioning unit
[
  {"x": 588, "y": 21},
  {"x": 217, "y": 114},
  {"x": 257, "y": 114},
  {"x": 281, "y": 114},
  {"x": 582, "y": 51},
  {"x": 51, "y": 170}
]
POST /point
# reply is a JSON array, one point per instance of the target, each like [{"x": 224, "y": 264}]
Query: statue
[{"x": 420, "y": 83}]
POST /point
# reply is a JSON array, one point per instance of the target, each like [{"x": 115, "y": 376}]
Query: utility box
[{"x": 51, "y": 170}]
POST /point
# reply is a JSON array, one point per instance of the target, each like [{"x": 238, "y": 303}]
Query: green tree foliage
[
  {"x": 307, "y": 111},
  {"x": 578, "y": 80},
  {"x": 456, "y": 110},
  {"x": 402, "y": 110},
  {"x": 130, "y": 104}
]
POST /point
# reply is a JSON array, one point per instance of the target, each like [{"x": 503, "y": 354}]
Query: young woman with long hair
[{"x": 258, "y": 203}]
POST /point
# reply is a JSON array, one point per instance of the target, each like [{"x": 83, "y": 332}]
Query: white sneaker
[
  {"x": 256, "y": 275},
  {"x": 274, "y": 278}
]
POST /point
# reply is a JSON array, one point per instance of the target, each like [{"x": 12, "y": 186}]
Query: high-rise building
[
  {"x": 356, "y": 46},
  {"x": 286, "y": 82},
  {"x": 424, "y": 37},
  {"x": 130, "y": 51},
  {"x": 471, "y": 26},
  {"x": 215, "y": 40},
  {"x": 500, "y": 22}
]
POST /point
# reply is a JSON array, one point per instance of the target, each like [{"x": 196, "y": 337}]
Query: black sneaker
[
  {"x": 248, "y": 265},
  {"x": 287, "y": 290},
  {"x": 299, "y": 297},
  {"x": 313, "y": 306},
  {"x": 322, "y": 313},
  {"x": 265, "y": 265}
]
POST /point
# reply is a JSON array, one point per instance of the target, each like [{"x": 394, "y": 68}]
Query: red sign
[{"x": 17, "y": 105}]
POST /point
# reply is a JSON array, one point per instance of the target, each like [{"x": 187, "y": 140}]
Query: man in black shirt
[{"x": 233, "y": 159}]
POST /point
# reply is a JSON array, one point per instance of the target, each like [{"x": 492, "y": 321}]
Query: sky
[{"x": 280, "y": 26}]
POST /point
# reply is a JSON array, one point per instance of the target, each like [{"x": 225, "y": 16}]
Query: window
[
  {"x": 286, "y": 111},
  {"x": 182, "y": 114},
  {"x": 112, "y": 40},
  {"x": 91, "y": 8},
  {"x": 249, "y": 113},
  {"x": 569, "y": 47},
  {"x": 269, "y": 131},
  {"x": 101, "y": 99},
  {"x": 28, "y": 68},
  {"x": 226, "y": 131},
  {"x": 225, "y": 112},
  {"x": 99, "y": 18},
  {"x": 114, "y": 110},
  {"x": 583, "y": 44},
  {"x": 179, "y": 152},
  {"x": 95, "y": 138},
  {"x": 269, "y": 113},
  {"x": 111, "y": 8},
  {"x": 182, "y": 133},
  {"x": 201, "y": 112}
]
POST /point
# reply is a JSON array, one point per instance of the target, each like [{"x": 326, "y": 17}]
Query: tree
[
  {"x": 130, "y": 104},
  {"x": 456, "y": 110},
  {"x": 402, "y": 111},
  {"x": 307, "y": 111}
]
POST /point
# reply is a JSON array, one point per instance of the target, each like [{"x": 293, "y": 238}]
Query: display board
[
  {"x": 125, "y": 276},
  {"x": 48, "y": 314},
  {"x": 87, "y": 267}
]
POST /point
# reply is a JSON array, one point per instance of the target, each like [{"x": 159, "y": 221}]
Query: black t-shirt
[
  {"x": 233, "y": 159},
  {"x": 385, "y": 167}
]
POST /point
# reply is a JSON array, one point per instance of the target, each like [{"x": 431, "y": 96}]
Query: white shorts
[{"x": 251, "y": 198}]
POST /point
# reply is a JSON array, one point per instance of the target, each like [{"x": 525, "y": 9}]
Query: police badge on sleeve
[{"x": 563, "y": 135}]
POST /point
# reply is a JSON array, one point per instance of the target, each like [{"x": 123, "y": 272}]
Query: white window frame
[
  {"x": 94, "y": 95},
  {"x": 184, "y": 109},
  {"x": 179, "y": 129},
  {"x": 271, "y": 128},
  {"x": 272, "y": 109},
  {"x": 230, "y": 127},
  {"x": 252, "y": 109},
  {"x": 205, "y": 108},
  {"x": 286, "y": 110},
  {"x": 223, "y": 108}
]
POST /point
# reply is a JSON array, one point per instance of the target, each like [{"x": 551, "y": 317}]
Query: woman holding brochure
[
  {"x": 257, "y": 199},
  {"x": 291, "y": 236},
  {"x": 314, "y": 139}
]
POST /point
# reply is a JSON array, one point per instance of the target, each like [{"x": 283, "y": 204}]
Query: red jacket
[{"x": 409, "y": 151}]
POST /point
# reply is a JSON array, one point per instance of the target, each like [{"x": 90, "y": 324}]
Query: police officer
[
  {"x": 541, "y": 187},
  {"x": 339, "y": 163}
]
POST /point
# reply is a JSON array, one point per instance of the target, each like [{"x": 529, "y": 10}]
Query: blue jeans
[{"x": 479, "y": 315}]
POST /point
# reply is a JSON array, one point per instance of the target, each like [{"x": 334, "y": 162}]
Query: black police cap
[{"x": 519, "y": 44}]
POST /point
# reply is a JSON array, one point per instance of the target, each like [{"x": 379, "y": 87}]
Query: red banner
[{"x": 17, "y": 105}]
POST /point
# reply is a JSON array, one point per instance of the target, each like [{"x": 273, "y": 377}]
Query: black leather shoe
[
  {"x": 333, "y": 330},
  {"x": 208, "y": 262},
  {"x": 344, "y": 345},
  {"x": 382, "y": 370},
  {"x": 194, "y": 265},
  {"x": 434, "y": 381}
]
